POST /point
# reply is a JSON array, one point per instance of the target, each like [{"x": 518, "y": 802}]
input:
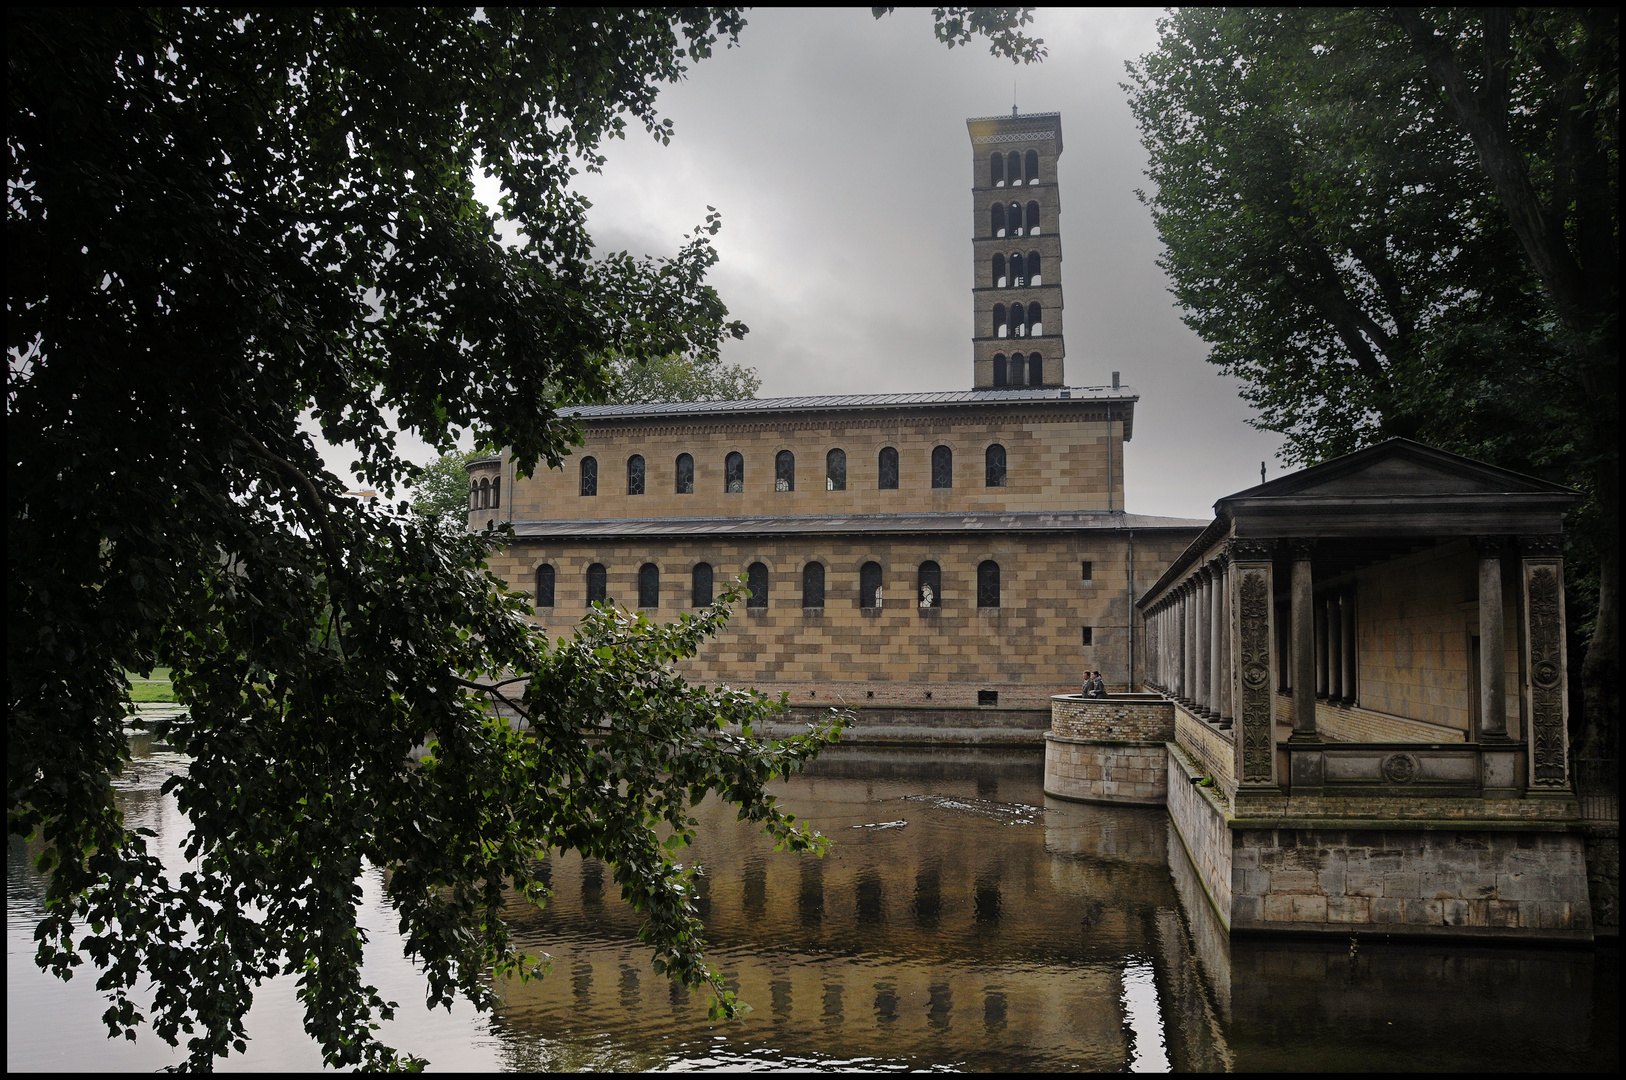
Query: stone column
[
  {"x": 1335, "y": 649},
  {"x": 1347, "y": 611},
  {"x": 1216, "y": 634},
  {"x": 1253, "y": 690},
  {"x": 1188, "y": 647},
  {"x": 1492, "y": 644},
  {"x": 1541, "y": 569},
  {"x": 1203, "y": 580},
  {"x": 1304, "y": 644},
  {"x": 1321, "y": 650},
  {"x": 1227, "y": 643}
]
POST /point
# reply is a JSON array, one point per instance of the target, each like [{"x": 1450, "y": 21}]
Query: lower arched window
[
  {"x": 1001, "y": 373},
  {"x": 756, "y": 580},
  {"x": 813, "y": 585},
  {"x": 869, "y": 585},
  {"x": 929, "y": 585},
  {"x": 685, "y": 474},
  {"x": 474, "y": 495},
  {"x": 784, "y": 471},
  {"x": 649, "y": 586},
  {"x": 635, "y": 474},
  {"x": 988, "y": 584},
  {"x": 1017, "y": 368},
  {"x": 835, "y": 470},
  {"x": 485, "y": 494},
  {"x": 995, "y": 466},
  {"x": 700, "y": 591},
  {"x": 1035, "y": 370},
  {"x": 544, "y": 586},
  {"x": 734, "y": 472},
  {"x": 598, "y": 584},
  {"x": 942, "y": 467},
  {"x": 589, "y": 476},
  {"x": 888, "y": 469}
]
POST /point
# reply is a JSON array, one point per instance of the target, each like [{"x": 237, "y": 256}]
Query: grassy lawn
[{"x": 150, "y": 690}]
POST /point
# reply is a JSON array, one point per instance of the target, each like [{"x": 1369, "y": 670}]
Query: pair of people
[{"x": 1093, "y": 686}]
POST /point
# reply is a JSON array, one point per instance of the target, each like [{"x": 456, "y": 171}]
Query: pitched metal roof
[
  {"x": 845, "y": 402},
  {"x": 937, "y": 523}
]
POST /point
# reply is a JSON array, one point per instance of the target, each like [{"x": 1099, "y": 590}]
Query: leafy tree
[
  {"x": 682, "y": 378},
  {"x": 1375, "y": 257},
  {"x": 441, "y": 494},
  {"x": 219, "y": 222}
]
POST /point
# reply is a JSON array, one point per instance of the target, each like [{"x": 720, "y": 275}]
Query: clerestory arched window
[
  {"x": 869, "y": 585},
  {"x": 1033, "y": 219},
  {"x": 1034, "y": 276},
  {"x": 649, "y": 586},
  {"x": 1033, "y": 166},
  {"x": 598, "y": 584},
  {"x": 544, "y": 586},
  {"x": 1001, "y": 376},
  {"x": 734, "y": 472},
  {"x": 994, "y": 462},
  {"x": 888, "y": 469},
  {"x": 1013, "y": 169},
  {"x": 996, "y": 220},
  {"x": 684, "y": 472},
  {"x": 784, "y": 471},
  {"x": 700, "y": 585},
  {"x": 813, "y": 585},
  {"x": 998, "y": 277},
  {"x": 635, "y": 474},
  {"x": 835, "y": 470},
  {"x": 988, "y": 584},
  {"x": 942, "y": 467},
  {"x": 756, "y": 580},
  {"x": 589, "y": 476},
  {"x": 929, "y": 585},
  {"x": 1035, "y": 370},
  {"x": 996, "y": 170}
]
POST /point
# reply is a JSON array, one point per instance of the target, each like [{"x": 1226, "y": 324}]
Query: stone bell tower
[{"x": 1016, "y": 245}]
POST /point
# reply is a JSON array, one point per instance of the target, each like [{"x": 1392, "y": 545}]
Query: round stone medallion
[{"x": 1399, "y": 768}]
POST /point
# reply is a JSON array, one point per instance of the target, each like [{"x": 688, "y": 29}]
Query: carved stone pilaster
[
  {"x": 1255, "y": 704},
  {"x": 1548, "y": 702}
]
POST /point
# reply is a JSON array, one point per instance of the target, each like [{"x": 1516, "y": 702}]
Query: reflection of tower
[{"x": 1016, "y": 285}]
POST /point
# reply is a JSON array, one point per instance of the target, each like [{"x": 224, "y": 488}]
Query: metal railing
[{"x": 1597, "y": 786}]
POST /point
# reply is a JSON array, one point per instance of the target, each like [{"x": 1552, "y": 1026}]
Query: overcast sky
[{"x": 835, "y": 147}]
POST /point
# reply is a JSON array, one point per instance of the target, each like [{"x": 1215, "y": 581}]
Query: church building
[{"x": 941, "y": 562}]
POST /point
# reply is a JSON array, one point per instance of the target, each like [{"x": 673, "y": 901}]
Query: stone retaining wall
[
  {"x": 1090, "y": 770},
  {"x": 1142, "y": 717}
]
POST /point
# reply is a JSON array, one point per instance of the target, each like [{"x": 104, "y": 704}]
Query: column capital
[
  {"x": 1301, "y": 547},
  {"x": 1541, "y": 547},
  {"x": 1247, "y": 549},
  {"x": 1490, "y": 547}
]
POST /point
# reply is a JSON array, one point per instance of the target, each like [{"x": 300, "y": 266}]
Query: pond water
[{"x": 962, "y": 921}]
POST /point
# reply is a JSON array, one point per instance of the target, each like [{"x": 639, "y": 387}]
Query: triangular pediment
[{"x": 1396, "y": 468}]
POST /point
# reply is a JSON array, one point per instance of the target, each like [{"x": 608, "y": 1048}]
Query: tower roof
[{"x": 1019, "y": 128}]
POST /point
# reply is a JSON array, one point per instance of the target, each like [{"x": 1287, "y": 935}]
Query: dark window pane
[
  {"x": 929, "y": 592},
  {"x": 1000, "y": 374},
  {"x": 649, "y": 586},
  {"x": 784, "y": 471},
  {"x": 889, "y": 469},
  {"x": 734, "y": 473},
  {"x": 589, "y": 476},
  {"x": 942, "y": 467},
  {"x": 1089, "y": 571},
  {"x": 997, "y": 280},
  {"x": 996, "y": 466},
  {"x": 485, "y": 494},
  {"x": 1035, "y": 370},
  {"x": 544, "y": 586},
  {"x": 996, "y": 170},
  {"x": 869, "y": 585},
  {"x": 597, "y": 584},
  {"x": 1033, "y": 166},
  {"x": 635, "y": 475},
  {"x": 996, "y": 220},
  {"x": 988, "y": 584},
  {"x": 701, "y": 596},
  {"x": 474, "y": 495},
  {"x": 835, "y": 470},
  {"x": 813, "y": 585},
  {"x": 756, "y": 579},
  {"x": 1017, "y": 367},
  {"x": 496, "y": 492},
  {"x": 685, "y": 474}
]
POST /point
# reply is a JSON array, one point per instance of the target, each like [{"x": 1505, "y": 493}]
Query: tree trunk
[{"x": 1600, "y": 672}]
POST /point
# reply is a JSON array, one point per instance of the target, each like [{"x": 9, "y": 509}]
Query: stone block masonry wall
[
  {"x": 1345, "y": 723},
  {"x": 1421, "y": 882},
  {"x": 1211, "y": 747},
  {"x": 1112, "y": 718},
  {"x": 1199, "y": 817},
  {"x": 1116, "y": 772}
]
